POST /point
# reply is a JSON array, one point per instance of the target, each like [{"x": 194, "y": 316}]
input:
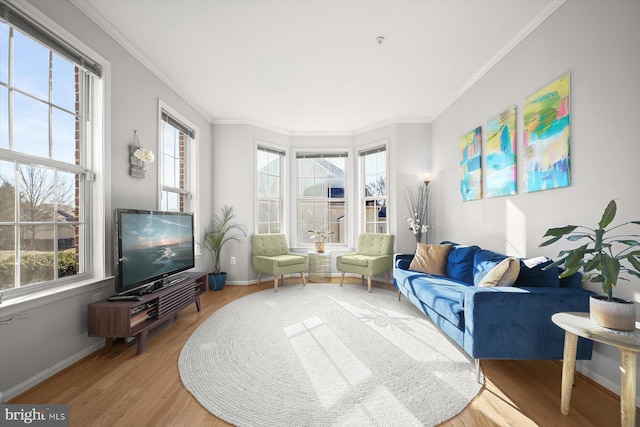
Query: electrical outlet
[
  {"x": 232, "y": 260},
  {"x": 96, "y": 297}
]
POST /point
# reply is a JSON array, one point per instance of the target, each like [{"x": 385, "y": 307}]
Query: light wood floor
[{"x": 122, "y": 389}]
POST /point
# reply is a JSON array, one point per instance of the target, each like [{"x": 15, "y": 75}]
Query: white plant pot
[{"x": 618, "y": 314}]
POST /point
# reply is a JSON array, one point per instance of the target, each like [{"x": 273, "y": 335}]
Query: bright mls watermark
[{"x": 34, "y": 415}]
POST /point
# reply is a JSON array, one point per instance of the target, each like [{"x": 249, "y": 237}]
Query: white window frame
[
  {"x": 96, "y": 202},
  {"x": 304, "y": 241},
  {"x": 284, "y": 188},
  {"x": 361, "y": 183},
  {"x": 192, "y": 199}
]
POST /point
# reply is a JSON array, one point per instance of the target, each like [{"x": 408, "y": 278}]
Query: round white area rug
[{"x": 325, "y": 355}]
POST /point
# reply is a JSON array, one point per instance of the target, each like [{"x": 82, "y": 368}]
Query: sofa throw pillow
[
  {"x": 533, "y": 274},
  {"x": 460, "y": 262},
  {"x": 431, "y": 259},
  {"x": 504, "y": 273},
  {"x": 483, "y": 261}
]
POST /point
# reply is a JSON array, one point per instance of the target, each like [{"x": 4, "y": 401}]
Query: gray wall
[
  {"x": 46, "y": 335},
  {"x": 597, "y": 41}
]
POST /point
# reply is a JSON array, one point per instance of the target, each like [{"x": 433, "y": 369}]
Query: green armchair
[
  {"x": 270, "y": 255},
  {"x": 374, "y": 255}
]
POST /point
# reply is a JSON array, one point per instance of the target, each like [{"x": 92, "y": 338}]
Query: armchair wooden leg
[
  {"x": 363, "y": 279},
  {"x": 386, "y": 277},
  {"x": 369, "y": 283},
  {"x": 302, "y": 275},
  {"x": 275, "y": 283},
  {"x": 259, "y": 278},
  {"x": 341, "y": 277}
]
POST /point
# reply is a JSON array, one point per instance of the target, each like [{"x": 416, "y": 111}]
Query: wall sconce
[
  {"x": 139, "y": 158},
  {"x": 426, "y": 177}
]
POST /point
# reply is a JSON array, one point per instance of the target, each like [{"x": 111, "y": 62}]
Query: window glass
[
  {"x": 373, "y": 164},
  {"x": 176, "y": 194},
  {"x": 270, "y": 164},
  {"x": 44, "y": 208},
  {"x": 30, "y": 66},
  {"x": 30, "y": 125},
  {"x": 321, "y": 197}
]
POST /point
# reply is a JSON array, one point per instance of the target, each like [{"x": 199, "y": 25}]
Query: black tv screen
[{"x": 152, "y": 246}]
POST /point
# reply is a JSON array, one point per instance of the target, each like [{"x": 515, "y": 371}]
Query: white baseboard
[
  {"x": 604, "y": 382},
  {"x": 41, "y": 376}
]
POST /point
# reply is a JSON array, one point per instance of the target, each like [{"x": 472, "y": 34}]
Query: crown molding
[
  {"x": 528, "y": 29},
  {"x": 126, "y": 44},
  {"x": 375, "y": 126}
]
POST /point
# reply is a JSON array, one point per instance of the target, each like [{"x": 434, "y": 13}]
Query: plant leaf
[
  {"x": 608, "y": 215},
  {"x": 550, "y": 241},
  {"x": 560, "y": 231},
  {"x": 610, "y": 269}
]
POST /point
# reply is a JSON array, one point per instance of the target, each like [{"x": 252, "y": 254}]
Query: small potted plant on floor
[
  {"x": 602, "y": 259},
  {"x": 222, "y": 229},
  {"x": 319, "y": 236}
]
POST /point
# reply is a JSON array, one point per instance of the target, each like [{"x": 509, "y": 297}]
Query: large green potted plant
[
  {"x": 602, "y": 259},
  {"x": 222, "y": 229}
]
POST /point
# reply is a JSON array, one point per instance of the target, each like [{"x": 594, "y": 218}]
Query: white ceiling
[{"x": 304, "y": 66}]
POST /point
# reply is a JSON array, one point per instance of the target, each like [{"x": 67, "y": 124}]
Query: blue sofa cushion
[
  {"x": 483, "y": 261},
  {"x": 443, "y": 295},
  {"x": 533, "y": 275},
  {"x": 460, "y": 262}
]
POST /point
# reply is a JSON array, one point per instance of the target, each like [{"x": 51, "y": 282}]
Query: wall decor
[
  {"x": 471, "y": 165},
  {"x": 546, "y": 137},
  {"x": 500, "y": 157},
  {"x": 139, "y": 158}
]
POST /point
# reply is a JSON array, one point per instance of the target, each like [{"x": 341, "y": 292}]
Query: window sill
[{"x": 10, "y": 305}]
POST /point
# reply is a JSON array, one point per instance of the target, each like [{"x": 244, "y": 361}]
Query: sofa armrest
[
  {"x": 402, "y": 261},
  {"x": 515, "y": 323}
]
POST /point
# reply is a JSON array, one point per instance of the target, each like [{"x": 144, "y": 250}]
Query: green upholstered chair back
[
  {"x": 375, "y": 244},
  {"x": 269, "y": 244}
]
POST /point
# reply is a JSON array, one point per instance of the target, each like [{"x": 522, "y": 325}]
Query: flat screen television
[{"x": 152, "y": 247}]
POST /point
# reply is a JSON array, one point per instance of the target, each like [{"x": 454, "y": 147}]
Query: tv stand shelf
[{"x": 121, "y": 319}]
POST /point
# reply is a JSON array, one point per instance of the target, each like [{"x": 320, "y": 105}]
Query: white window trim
[
  {"x": 348, "y": 184},
  {"x": 361, "y": 211},
  {"x": 98, "y": 262},
  {"x": 192, "y": 170},
  {"x": 284, "y": 186}
]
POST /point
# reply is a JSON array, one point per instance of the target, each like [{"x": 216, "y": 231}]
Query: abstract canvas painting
[
  {"x": 471, "y": 165},
  {"x": 546, "y": 137},
  {"x": 500, "y": 157}
]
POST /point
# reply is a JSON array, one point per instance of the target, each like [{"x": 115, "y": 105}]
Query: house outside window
[
  {"x": 374, "y": 196},
  {"x": 322, "y": 199},
  {"x": 49, "y": 121},
  {"x": 177, "y": 173},
  {"x": 270, "y": 171}
]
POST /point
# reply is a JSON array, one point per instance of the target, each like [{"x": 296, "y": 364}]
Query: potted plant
[
  {"x": 222, "y": 229},
  {"x": 319, "y": 236},
  {"x": 602, "y": 259}
]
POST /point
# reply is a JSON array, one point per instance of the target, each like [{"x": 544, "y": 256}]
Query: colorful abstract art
[
  {"x": 471, "y": 165},
  {"x": 500, "y": 157},
  {"x": 546, "y": 137}
]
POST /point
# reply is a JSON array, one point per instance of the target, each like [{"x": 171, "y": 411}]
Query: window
[
  {"x": 176, "y": 176},
  {"x": 49, "y": 121},
  {"x": 321, "y": 196},
  {"x": 373, "y": 166},
  {"x": 270, "y": 180}
]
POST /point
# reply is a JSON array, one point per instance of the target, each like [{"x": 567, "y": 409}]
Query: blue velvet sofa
[{"x": 495, "y": 322}]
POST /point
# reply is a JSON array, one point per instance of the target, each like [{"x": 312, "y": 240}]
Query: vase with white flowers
[
  {"x": 417, "y": 199},
  {"x": 319, "y": 236}
]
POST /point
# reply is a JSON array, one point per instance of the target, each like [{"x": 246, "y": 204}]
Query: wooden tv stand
[{"x": 121, "y": 319}]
